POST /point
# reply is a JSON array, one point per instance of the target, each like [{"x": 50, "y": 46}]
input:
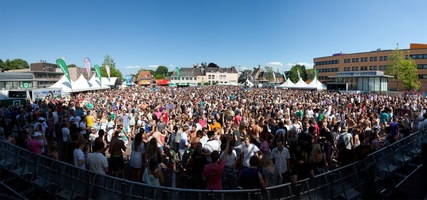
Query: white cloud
[
  {"x": 133, "y": 67},
  {"x": 153, "y": 66},
  {"x": 274, "y": 64},
  {"x": 145, "y": 67}
]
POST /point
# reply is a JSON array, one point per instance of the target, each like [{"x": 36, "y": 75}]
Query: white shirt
[
  {"x": 97, "y": 162},
  {"x": 65, "y": 134},
  {"x": 229, "y": 161},
  {"x": 82, "y": 128},
  {"x": 248, "y": 152},
  {"x": 79, "y": 155},
  {"x": 280, "y": 158}
]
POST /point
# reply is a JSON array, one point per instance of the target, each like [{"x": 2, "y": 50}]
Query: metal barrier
[{"x": 32, "y": 176}]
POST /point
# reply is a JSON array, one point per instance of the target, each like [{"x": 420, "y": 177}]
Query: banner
[
  {"x": 315, "y": 73},
  {"x": 299, "y": 75},
  {"x": 98, "y": 72},
  {"x": 43, "y": 93},
  {"x": 61, "y": 64},
  {"x": 88, "y": 65},
  {"x": 284, "y": 76},
  {"x": 107, "y": 68},
  {"x": 178, "y": 72}
]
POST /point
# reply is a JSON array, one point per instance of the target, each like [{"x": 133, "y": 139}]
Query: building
[
  {"x": 329, "y": 66},
  {"x": 187, "y": 77},
  {"x": 217, "y": 75},
  {"x": 369, "y": 81},
  {"x": 46, "y": 74},
  {"x": 202, "y": 75},
  {"x": 144, "y": 78}
]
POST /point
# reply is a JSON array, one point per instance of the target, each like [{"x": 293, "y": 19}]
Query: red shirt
[{"x": 213, "y": 173}]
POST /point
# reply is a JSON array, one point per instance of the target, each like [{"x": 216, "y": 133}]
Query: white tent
[
  {"x": 64, "y": 84},
  {"x": 109, "y": 81},
  {"x": 299, "y": 85},
  {"x": 286, "y": 84},
  {"x": 81, "y": 84},
  {"x": 316, "y": 84},
  {"x": 95, "y": 84}
]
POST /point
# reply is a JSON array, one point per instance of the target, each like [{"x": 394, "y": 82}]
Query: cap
[
  {"x": 41, "y": 119},
  {"x": 37, "y": 134}
]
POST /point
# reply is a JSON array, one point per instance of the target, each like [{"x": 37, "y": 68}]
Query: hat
[
  {"x": 71, "y": 119},
  {"x": 37, "y": 134},
  {"x": 41, "y": 119}
]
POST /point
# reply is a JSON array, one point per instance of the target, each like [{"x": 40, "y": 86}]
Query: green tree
[
  {"x": 71, "y": 65},
  {"x": 114, "y": 72},
  {"x": 160, "y": 72},
  {"x": 310, "y": 74},
  {"x": 1, "y": 64},
  {"x": 269, "y": 73},
  {"x": 403, "y": 69},
  {"x": 16, "y": 64},
  {"x": 294, "y": 73}
]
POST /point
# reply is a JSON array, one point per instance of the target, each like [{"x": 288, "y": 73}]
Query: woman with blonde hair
[
  {"x": 270, "y": 172},
  {"x": 317, "y": 159}
]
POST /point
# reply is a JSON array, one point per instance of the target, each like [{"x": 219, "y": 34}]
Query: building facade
[
  {"x": 205, "y": 75},
  {"x": 377, "y": 60}
]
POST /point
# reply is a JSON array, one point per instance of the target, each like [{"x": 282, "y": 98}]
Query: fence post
[{"x": 424, "y": 157}]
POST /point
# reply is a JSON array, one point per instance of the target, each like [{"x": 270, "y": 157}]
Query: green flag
[
  {"x": 98, "y": 72},
  {"x": 315, "y": 73},
  {"x": 61, "y": 64},
  {"x": 178, "y": 72},
  {"x": 284, "y": 75}
]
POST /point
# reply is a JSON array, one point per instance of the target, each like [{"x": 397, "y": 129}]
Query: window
[
  {"x": 370, "y": 67},
  {"x": 353, "y": 60},
  {"x": 385, "y": 67},
  {"x": 375, "y": 58},
  {"x": 385, "y": 58},
  {"x": 375, "y": 67},
  {"x": 357, "y": 59},
  {"x": 381, "y": 58},
  {"x": 371, "y": 59},
  {"x": 381, "y": 67}
]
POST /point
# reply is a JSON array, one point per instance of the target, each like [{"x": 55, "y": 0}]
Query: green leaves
[{"x": 403, "y": 69}]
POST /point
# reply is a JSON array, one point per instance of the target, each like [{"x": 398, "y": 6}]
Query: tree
[
  {"x": 71, "y": 65},
  {"x": 16, "y": 64},
  {"x": 114, "y": 72},
  {"x": 269, "y": 73},
  {"x": 160, "y": 72},
  {"x": 212, "y": 65},
  {"x": 294, "y": 73},
  {"x": 310, "y": 74},
  {"x": 403, "y": 69},
  {"x": 1, "y": 63}
]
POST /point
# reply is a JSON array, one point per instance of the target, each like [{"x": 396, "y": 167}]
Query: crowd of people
[{"x": 213, "y": 137}]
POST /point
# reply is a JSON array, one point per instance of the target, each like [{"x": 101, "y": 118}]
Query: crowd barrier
[{"x": 32, "y": 176}]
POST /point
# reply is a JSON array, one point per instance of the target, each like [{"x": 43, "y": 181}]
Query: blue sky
[{"x": 180, "y": 33}]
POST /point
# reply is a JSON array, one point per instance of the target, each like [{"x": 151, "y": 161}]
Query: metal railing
[{"x": 32, "y": 176}]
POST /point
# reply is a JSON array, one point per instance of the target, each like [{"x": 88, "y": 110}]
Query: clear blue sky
[{"x": 245, "y": 33}]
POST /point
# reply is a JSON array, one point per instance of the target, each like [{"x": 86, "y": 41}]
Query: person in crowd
[
  {"x": 248, "y": 150},
  {"x": 229, "y": 175},
  {"x": 318, "y": 159},
  {"x": 136, "y": 157},
  {"x": 79, "y": 154},
  {"x": 281, "y": 159},
  {"x": 35, "y": 145},
  {"x": 117, "y": 147},
  {"x": 153, "y": 174},
  {"x": 270, "y": 172},
  {"x": 251, "y": 178},
  {"x": 212, "y": 173}
]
